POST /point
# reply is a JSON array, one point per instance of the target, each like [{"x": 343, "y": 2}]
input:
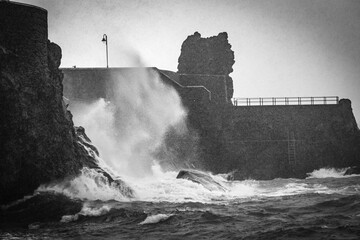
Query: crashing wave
[
  {"x": 91, "y": 185},
  {"x": 327, "y": 173},
  {"x": 87, "y": 210},
  {"x": 156, "y": 218},
  {"x": 95, "y": 182}
]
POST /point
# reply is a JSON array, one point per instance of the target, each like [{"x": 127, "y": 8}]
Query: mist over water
[{"x": 129, "y": 127}]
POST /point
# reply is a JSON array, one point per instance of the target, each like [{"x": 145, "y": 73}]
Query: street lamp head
[{"x": 104, "y": 39}]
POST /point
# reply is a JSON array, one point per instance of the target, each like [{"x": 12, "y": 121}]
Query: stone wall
[
  {"x": 252, "y": 139},
  {"x": 324, "y": 136},
  {"x": 38, "y": 140},
  {"x": 23, "y": 40},
  {"x": 216, "y": 84},
  {"x": 87, "y": 84}
]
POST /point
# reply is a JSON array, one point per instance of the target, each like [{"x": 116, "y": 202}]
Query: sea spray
[
  {"x": 140, "y": 114},
  {"x": 89, "y": 185},
  {"x": 328, "y": 173},
  {"x": 129, "y": 127}
]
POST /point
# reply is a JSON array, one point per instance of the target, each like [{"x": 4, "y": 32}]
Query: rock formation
[
  {"x": 209, "y": 56},
  {"x": 39, "y": 143},
  {"x": 38, "y": 140},
  {"x": 203, "y": 178}
]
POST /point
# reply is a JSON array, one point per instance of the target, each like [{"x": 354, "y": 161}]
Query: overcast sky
[{"x": 282, "y": 47}]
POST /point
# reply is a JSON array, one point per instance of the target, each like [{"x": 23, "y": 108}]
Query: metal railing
[{"x": 272, "y": 101}]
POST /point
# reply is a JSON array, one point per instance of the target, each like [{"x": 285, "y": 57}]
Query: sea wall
[
  {"x": 38, "y": 139},
  {"x": 216, "y": 84},
  {"x": 261, "y": 142},
  {"x": 267, "y": 142},
  {"x": 88, "y": 84},
  {"x": 254, "y": 141}
]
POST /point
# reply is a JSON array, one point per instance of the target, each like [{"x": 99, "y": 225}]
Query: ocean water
[
  {"x": 326, "y": 205},
  {"x": 127, "y": 131}
]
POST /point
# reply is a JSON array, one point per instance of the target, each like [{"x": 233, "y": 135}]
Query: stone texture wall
[
  {"x": 325, "y": 136},
  {"x": 38, "y": 141},
  {"x": 23, "y": 40},
  {"x": 85, "y": 84},
  {"x": 208, "y": 56},
  {"x": 88, "y": 84}
]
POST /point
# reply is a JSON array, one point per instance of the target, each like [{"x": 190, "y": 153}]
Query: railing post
[{"x": 285, "y": 101}]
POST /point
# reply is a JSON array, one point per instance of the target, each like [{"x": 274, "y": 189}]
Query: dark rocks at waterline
[
  {"x": 38, "y": 140},
  {"x": 92, "y": 162},
  {"x": 43, "y": 207},
  {"x": 353, "y": 170},
  {"x": 203, "y": 178}
]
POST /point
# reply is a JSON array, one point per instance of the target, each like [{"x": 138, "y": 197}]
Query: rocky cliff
[
  {"x": 254, "y": 141},
  {"x": 38, "y": 140},
  {"x": 208, "y": 56},
  {"x": 208, "y": 62}
]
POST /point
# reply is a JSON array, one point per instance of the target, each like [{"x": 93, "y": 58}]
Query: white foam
[
  {"x": 69, "y": 218},
  {"x": 89, "y": 185},
  {"x": 156, "y": 218},
  {"x": 87, "y": 210},
  {"x": 328, "y": 173},
  {"x": 129, "y": 128},
  {"x": 163, "y": 186}
]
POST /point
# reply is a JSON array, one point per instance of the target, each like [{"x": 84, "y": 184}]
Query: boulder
[
  {"x": 203, "y": 178},
  {"x": 353, "y": 170}
]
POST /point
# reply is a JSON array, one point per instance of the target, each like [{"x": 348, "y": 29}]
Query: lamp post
[{"x": 105, "y": 40}]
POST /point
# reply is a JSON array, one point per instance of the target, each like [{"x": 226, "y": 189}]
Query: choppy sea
[{"x": 326, "y": 205}]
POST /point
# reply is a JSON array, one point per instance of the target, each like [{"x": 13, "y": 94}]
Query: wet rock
[
  {"x": 41, "y": 208},
  {"x": 38, "y": 143},
  {"x": 353, "y": 170},
  {"x": 203, "y": 178}
]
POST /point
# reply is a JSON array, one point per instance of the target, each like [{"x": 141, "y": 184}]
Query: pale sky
[{"x": 282, "y": 47}]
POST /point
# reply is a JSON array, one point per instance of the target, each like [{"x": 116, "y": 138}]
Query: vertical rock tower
[
  {"x": 37, "y": 138},
  {"x": 208, "y": 56}
]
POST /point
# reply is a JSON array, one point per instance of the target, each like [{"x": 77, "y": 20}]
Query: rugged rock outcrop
[
  {"x": 38, "y": 141},
  {"x": 353, "y": 170},
  {"x": 93, "y": 163},
  {"x": 253, "y": 141},
  {"x": 203, "y": 178},
  {"x": 209, "y": 56}
]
